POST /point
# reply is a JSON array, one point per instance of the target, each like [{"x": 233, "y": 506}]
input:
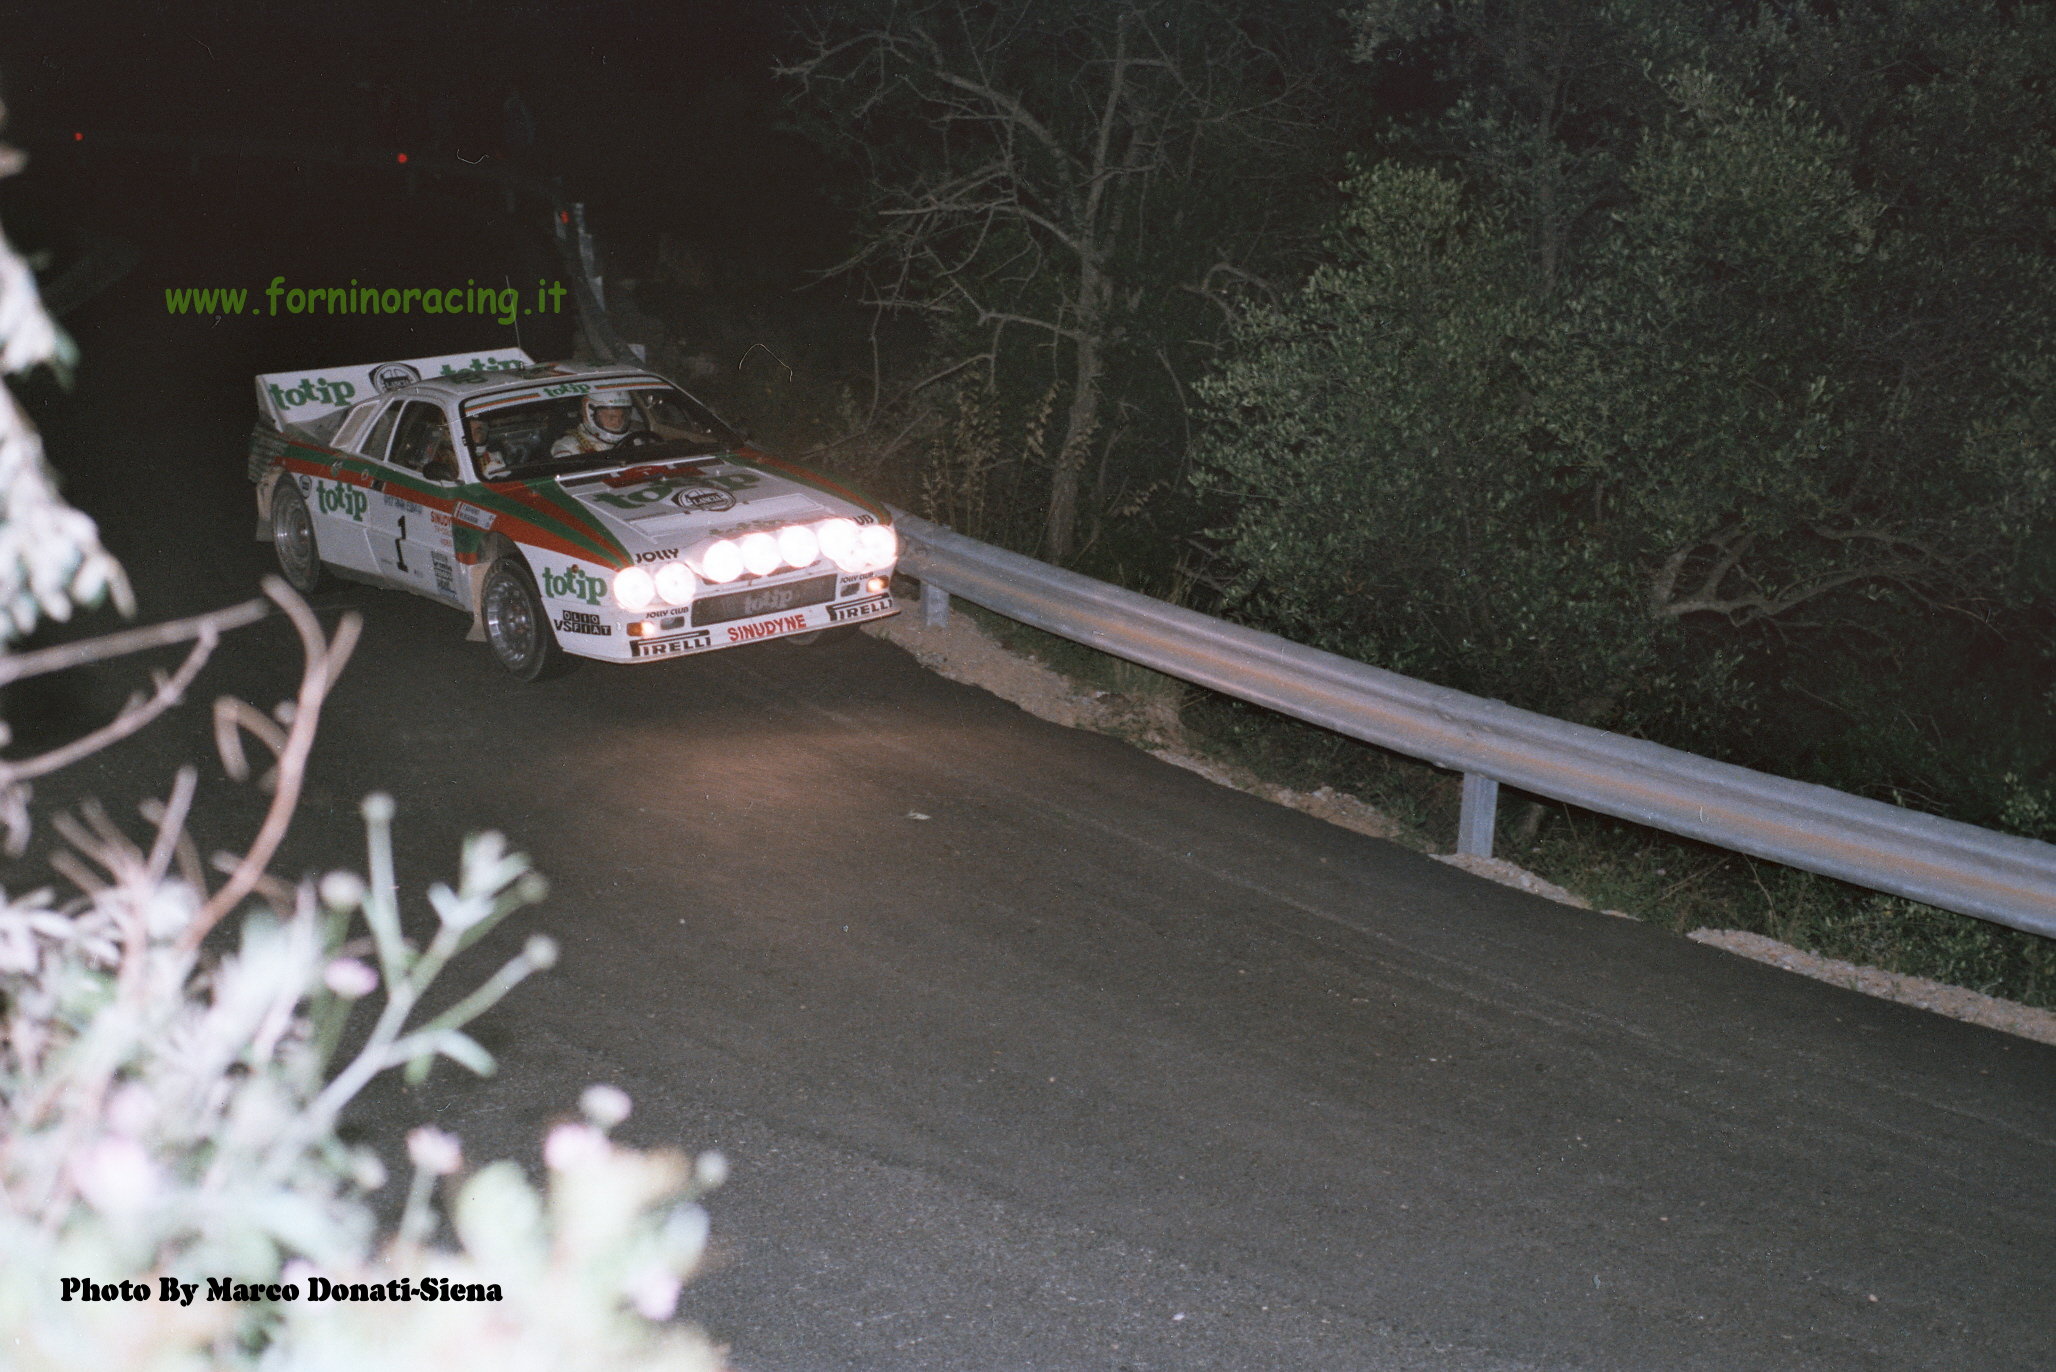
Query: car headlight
[
  {"x": 798, "y": 546},
  {"x": 760, "y": 554},
  {"x": 674, "y": 582},
  {"x": 878, "y": 543},
  {"x": 634, "y": 588},
  {"x": 719, "y": 562}
]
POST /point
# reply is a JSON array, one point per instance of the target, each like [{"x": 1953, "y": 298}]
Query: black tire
[
  {"x": 292, "y": 538},
  {"x": 834, "y": 633},
  {"x": 517, "y": 627}
]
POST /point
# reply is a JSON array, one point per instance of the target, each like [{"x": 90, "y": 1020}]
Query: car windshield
[{"x": 538, "y": 435}]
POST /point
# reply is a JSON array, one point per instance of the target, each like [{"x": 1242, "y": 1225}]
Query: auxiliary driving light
[
  {"x": 634, "y": 588},
  {"x": 838, "y": 539},
  {"x": 798, "y": 546},
  {"x": 878, "y": 544},
  {"x": 721, "y": 562},
  {"x": 674, "y": 582},
  {"x": 760, "y": 554}
]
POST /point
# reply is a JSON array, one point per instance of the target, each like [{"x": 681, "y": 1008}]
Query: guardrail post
[
  {"x": 934, "y": 606},
  {"x": 1474, "y": 823}
]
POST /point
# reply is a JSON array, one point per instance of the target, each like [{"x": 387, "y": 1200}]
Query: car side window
[
  {"x": 351, "y": 431},
  {"x": 381, "y": 433},
  {"x": 422, "y": 443}
]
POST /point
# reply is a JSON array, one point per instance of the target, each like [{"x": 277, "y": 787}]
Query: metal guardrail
[{"x": 1941, "y": 862}]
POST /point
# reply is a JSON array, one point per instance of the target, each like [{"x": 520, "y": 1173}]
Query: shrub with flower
[{"x": 173, "y": 1192}]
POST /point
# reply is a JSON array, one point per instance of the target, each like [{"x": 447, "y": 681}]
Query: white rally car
[{"x": 570, "y": 508}]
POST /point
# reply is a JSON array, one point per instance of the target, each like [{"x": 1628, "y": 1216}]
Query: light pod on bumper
[
  {"x": 760, "y": 555},
  {"x": 674, "y": 582},
  {"x": 798, "y": 546},
  {"x": 718, "y": 561},
  {"x": 634, "y": 588},
  {"x": 878, "y": 544},
  {"x": 838, "y": 540}
]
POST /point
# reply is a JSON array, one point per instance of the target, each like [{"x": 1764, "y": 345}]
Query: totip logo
[
  {"x": 485, "y": 364},
  {"x": 312, "y": 389},
  {"x": 338, "y": 499},
  {"x": 573, "y": 583}
]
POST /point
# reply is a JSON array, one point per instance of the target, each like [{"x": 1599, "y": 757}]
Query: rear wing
[{"x": 299, "y": 397}]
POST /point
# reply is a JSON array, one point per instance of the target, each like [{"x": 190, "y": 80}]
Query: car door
[
  {"x": 411, "y": 540},
  {"x": 342, "y": 509}
]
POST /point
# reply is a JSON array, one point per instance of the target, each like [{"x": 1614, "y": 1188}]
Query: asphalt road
[{"x": 1031, "y": 1052}]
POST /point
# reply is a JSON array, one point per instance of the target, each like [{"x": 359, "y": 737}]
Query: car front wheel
[
  {"x": 292, "y": 538},
  {"x": 516, "y": 625}
]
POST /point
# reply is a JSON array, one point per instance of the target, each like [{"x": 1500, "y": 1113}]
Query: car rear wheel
[
  {"x": 292, "y": 538},
  {"x": 516, "y": 625}
]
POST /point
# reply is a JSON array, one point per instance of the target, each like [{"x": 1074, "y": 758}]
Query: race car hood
[{"x": 652, "y": 513}]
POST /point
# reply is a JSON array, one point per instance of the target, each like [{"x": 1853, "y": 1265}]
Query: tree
[
  {"x": 1597, "y": 498},
  {"x": 1058, "y": 189},
  {"x": 1371, "y": 440}
]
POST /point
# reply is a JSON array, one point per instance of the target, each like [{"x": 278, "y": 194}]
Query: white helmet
[{"x": 590, "y": 424}]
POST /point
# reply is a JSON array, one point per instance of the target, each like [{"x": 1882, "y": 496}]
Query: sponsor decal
[
  {"x": 394, "y": 375},
  {"x": 472, "y": 515},
  {"x": 635, "y": 476},
  {"x": 567, "y": 388},
  {"x": 860, "y": 609},
  {"x": 723, "y": 484},
  {"x": 438, "y": 519},
  {"x": 667, "y": 647},
  {"x": 659, "y": 555},
  {"x": 765, "y": 601},
  {"x": 789, "y": 624},
  {"x": 579, "y": 622},
  {"x": 698, "y": 497},
  {"x": 747, "y": 604},
  {"x": 480, "y": 365},
  {"x": 310, "y": 389},
  {"x": 573, "y": 583},
  {"x": 393, "y": 502},
  {"x": 306, "y": 485},
  {"x": 335, "y": 498},
  {"x": 445, "y": 574}
]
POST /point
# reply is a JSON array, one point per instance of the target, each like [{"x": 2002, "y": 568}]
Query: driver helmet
[{"x": 597, "y": 432}]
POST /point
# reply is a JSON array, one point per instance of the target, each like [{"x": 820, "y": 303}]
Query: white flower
[
  {"x": 342, "y": 890},
  {"x": 459, "y": 912},
  {"x": 366, "y": 1169},
  {"x": 605, "y": 1106},
  {"x": 129, "y": 1109},
  {"x": 116, "y": 1176},
  {"x": 350, "y": 978},
  {"x": 654, "y": 1293},
  {"x": 434, "y": 1151},
  {"x": 574, "y": 1145},
  {"x": 710, "y": 1169}
]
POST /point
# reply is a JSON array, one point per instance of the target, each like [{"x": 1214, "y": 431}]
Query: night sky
[{"x": 663, "y": 118}]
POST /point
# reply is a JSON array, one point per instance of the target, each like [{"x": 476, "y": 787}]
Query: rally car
[{"x": 570, "y": 508}]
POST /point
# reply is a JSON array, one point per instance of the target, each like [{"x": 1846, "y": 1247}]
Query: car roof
[{"x": 465, "y": 385}]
